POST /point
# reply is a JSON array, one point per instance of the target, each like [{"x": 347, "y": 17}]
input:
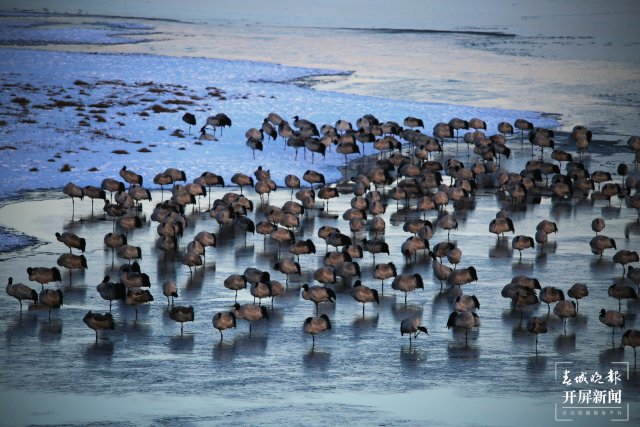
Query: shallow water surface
[{"x": 361, "y": 371}]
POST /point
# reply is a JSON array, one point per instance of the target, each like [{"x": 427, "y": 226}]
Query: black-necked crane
[
  {"x": 97, "y": 321},
  {"x": 597, "y": 225},
  {"x": 129, "y": 222},
  {"x": 170, "y": 289},
  {"x": 410, "y": 247},
  {"x": 550, "y": 294},
  {"x": 137, "y": 297},
  {"x": 223, "y": 321},
  {"x": 292, "y": 182},
  {"x": 447, "y": 222},
  {"x": 189, "y": 119},
  {"x": 162, "y": 179},
  {"x": 220, "y": 120},
  {"x": 132, "y": 278},
  {"x": 620, "y": 292},
  {"x": 235, "y": 282},
  {"x": 72, "y": 262},
  {"x": 454, "y": 256},
  {"x": 75, "y": 192},
  {"x": 112, "y": 186},
  {"x": 242, "y": 180},
  {"x": 51, "y": 298},
  {"x": 302, "y": 247},
  {"x": 129, "y": 252},
  {"x": 93, "y": 193},
  {"x": 463, "y": 319},
  {"x": 499, "y": 226},
  {"x": 282, "y": 235},
  {"x": 364, "y": 294},
  {"x": 522, "y": 125},
  {"x": 407, "y": 283},
  {"x": 462, "y": 276},
  {"x": 287, "y": 267},
  {"x": 206, "y": 239},
  {"x": 383, "y": 272},
  {"x": 466, "y": 303},
  {"x": 318, "y": 294},
  {"x": 505, "y": 128},
  {"x": 44, "y": 275},
  {"x": 441, "y": 271},
  {"x": 254, "y": 275},
  {"x": 600, "y": 243},
  {"x": 114, "y": 241},
  {"x": 457, "y": 124},
  {"x": 315, "y": 325},
  {"x": 476, "y": 123},
  {"x": 521, "y": 242},
  {"x": 624, "y": 257},
  {"x": 412, "y": 326},
  {"x": 537, "y": 325},
  {"x": 259, "y": 290},
  {"x": 577, "y": 292},
  {"x": 181, "y": 314},
  {"x": 524, "y": 300},
  {"x": 269, "y": 129},
  {"x": 251, "y": 313},
  {"x": 130, "y": 176},
  {"x": 375, "y": 246},
  {"x": 413, "y": 122},
  {"x": 191, "y": 259},
  {"x": 565, "y": 309},
  {"x": 276, "y": 289},
  {"x": 72, "y": 241},
  {"x": 176, "y": 174},
  {"x": 631, "y": 338},
  {"x": 111, "y": 291},
  {"x": 613, "y": 319},
  {"x": 21, "y": 292},
  {"x": 313, "y": 177}
]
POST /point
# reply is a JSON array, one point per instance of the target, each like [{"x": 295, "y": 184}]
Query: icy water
[{"x": 362, "y": 371}]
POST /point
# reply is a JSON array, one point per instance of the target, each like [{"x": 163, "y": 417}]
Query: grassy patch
[
  {"x": 62, "y": 103},
  {"x": 120, "y": 152},
  {"x": 8, "y": 147},
  {"x": 178, "y": 102},
  {"x": 20, "y": 101},
  {"x": 93, "y": 169},
  {"x": 157, "y": 108},
  {"x": 65, "y": 168},
  {"x": 144, "y": 150}
]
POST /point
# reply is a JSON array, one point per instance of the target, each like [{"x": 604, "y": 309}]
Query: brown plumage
[
  {"x": 316, "y": 325},
  {"x": 130, "y": 176},
  {"x": 97, "y": 321},
  {"x": 250, "y": 313},
  {"x": 224, "y": 321},
  {"x": 613, "y": 319},
  {"x": 21, "y": 292},
  {"x": 140, "y": 296},
  {"x": 72, "y": 241},
  {"x": 181, "y": 314},
  {"x": 407, "y": 283},
  {"x": 537, "y": 325},
  {"x": 51, "y": 298},
  {"x": 44, "y": 275}
]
